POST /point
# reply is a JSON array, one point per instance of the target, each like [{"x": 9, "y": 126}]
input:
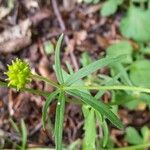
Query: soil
[{"x": 39, "y": 22}]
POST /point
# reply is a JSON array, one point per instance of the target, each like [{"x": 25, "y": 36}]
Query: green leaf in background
[
  {"x": 48, "y": 47},
  {"x": 89, "y": 127},
  {"x": 119, "y": 68},
  {"x": 96, "y": 1},
  {"x": 139, "y": 1},
  {"x": 46, "y": 105},
  {"x": 145, "y": 131},
  {"x": 88, "y": 1},
  {"x": 131, "y": 100},
  {"x": 120, "y": 2},
  {"x": 58, "y": 70},
  {"x": 140, "y": 73},
  {"x": 145, "y": 50},
  {"x": 110, "y": 7},
  {"x": 136, "y": 24},
  {"x": 132, "y": 136},
  {"x": 99, "y": 106},
  {"x": 83, "y": 72},
  {"x": 91, "y": 1},
  {"x": 121, "y": 48},
  {"x": 127, "y": 100},
  {"x": 59, "y": 119},
  {"x": 85, "y": 59},
  {"x": 116, "y": 50}
]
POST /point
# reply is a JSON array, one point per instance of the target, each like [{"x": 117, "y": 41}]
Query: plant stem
[
  {"x": 33, "y": 91},
  {"x": 114, "y": 87},
  {"x": 48, "y": 81},
  {"x": 136, "y": 147},
  {"x": 36, "y": 92},
  {"x": 3, "y": 84}
]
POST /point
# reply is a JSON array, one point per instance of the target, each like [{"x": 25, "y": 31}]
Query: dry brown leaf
[
  {"x": 80, "y": 36},
  {"x": 4, "y": 12},
  {"x": 15, "y": 38}
]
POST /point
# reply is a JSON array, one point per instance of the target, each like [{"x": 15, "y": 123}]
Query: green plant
[
  {"x": 91, "y": 1},
  {"x": 21, "y": 132},
  {"x": 110, "y": 7},
  {"x": 134, "y": 138},
  {"x": 72, "y": 84},
  {"x": 135, "y": 23}
]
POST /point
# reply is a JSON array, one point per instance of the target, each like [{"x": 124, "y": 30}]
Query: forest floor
[{"x": 29, "y": 30}]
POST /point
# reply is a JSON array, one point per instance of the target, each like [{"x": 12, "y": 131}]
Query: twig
[
  {"x": 54, "y": 34},
  {"x": 62, "y": 26},
  {"x": 36, "y": 129},
  {"x": 9, "y": 135}
]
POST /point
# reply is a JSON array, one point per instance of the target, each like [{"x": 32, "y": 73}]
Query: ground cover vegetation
[{"x": 76, "y": 77}]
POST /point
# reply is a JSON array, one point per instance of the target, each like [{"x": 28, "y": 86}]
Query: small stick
[{"x": 62, "y": 26}]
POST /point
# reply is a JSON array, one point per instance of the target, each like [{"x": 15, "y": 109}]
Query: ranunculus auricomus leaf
[
  {"x": 136, "y": 25},
  {"x": 140, "y": 73}
]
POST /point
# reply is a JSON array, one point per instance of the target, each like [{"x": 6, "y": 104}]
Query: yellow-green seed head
[{"x": 18, "y": 74}]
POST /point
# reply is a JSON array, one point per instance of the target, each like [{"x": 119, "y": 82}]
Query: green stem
[
  {"x": 48, "y": 81},
  {"x": 3, "y": 84},
  {"x": 136, "y": 147},
  {"x": 33, "y": 91},
  {"x": 114, "y": 87},
  {"x": 36, "y": 92}
]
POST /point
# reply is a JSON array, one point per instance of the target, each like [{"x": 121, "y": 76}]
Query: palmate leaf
[
  {"x": 46, "y": 105},
  {"x": 58, "y": 70},
  {"x": 92, "y": 68},
  {"x": 97, "y": 105},
  {"x": 59, "y": 120}
]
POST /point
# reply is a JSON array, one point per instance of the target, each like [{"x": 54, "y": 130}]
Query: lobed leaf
[{"x": 97, "y": 105}]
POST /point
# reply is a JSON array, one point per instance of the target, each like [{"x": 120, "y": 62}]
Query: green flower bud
[{"x": 18, "y": 74}]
